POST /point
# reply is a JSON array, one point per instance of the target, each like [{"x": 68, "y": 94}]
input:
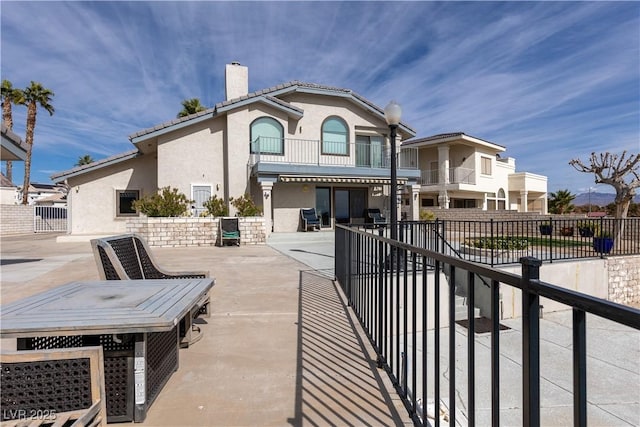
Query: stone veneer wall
[
  {"x": 624, "y": 279},
  {"x": 16, "y": 219},
  {"x": 176, "y": 232}
]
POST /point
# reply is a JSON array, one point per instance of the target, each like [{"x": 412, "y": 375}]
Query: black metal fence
[
  {"x": 405, "y": 296},
  {"x": 505, "y": 242}
]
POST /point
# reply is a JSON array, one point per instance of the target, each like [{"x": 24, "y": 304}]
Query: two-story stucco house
[
  {"x": 462, "y": 171},
  {"x": 291, "y": 146}
]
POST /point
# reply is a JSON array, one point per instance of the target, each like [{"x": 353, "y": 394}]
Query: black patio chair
[
  {"x": 374, "y": 217},
  {"x": 310, "y": 219},
  {"x": 229, "y": 231}
]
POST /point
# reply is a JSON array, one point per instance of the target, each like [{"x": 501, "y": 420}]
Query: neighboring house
[
  {"x": 13, "y": 148},
  {"x": 8, "y": 192},
  {"x": 45, "y": 194},
  {"x": 290, "y": 146},
  {"x": 462, "y": 171}
]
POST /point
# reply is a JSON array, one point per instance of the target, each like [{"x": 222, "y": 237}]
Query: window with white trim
[
  {"x": 335, "y": 136},
  {"x": 485, "y": 165},
  {"x": 267, "y": 136}
]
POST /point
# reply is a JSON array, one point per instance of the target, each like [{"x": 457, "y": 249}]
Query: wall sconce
[
  {"x": 415, "y": 196},
  {"x": 77, "y": 188},
  {"x": 305, "y": 188},
  {"x": 265, "y": 194},
  {"x": 217, "y": 187}
]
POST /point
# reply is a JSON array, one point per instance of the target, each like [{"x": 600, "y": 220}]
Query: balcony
[
  {"x": 305, "y": 152},
  {"x": 457, "y": 175}
]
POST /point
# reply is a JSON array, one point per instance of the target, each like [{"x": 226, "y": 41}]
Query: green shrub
[
  {"x": 216, "y": 207},
  {"x": 245, "y": 206},
  {"x": 167, "y": 203},
  {"x": 426, "y": 215},
  {"x": 510, "y": 243}
]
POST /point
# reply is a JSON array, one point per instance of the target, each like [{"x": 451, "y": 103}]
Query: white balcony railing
[
  {"x": 457, "y": 175},
  {"x": 314, "y": 152}
]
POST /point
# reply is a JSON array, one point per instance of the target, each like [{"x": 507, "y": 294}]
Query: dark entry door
[{"x": 350, "y": 204}]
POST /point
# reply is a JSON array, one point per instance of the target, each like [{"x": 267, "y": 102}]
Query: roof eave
[{"x": 71, "y": 173}]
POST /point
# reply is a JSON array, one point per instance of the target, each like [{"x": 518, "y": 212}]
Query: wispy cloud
[{"x": 550, "y": 81}]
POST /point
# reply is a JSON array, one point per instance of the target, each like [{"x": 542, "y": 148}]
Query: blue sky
[{"x": 550, "y": 81}]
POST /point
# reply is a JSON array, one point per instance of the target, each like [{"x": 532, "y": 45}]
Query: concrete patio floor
[
  {"x": 279, "y": 349},
  {"x": 282, "y": 349}
]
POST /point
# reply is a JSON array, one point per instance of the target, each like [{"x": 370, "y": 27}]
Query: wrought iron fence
[
  {"x": 404, "y": 296},
  {"x": 505, "y": 242}
]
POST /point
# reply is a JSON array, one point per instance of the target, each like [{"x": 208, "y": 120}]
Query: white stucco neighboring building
[{"x": 462, "y": 171}]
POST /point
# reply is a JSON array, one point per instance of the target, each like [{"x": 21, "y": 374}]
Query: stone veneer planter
[{"x": 186, "y": 231}]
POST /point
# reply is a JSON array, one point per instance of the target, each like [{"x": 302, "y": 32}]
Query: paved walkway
[{"x": 279, "y": 349}]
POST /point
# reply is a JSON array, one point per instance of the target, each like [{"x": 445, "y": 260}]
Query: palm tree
[
  {"x": 560, "y": 202},
  {"x": 84, "y": 160},
  {"x": 34, "y": 95},
  {"x": 191, "y": 106},
  {"x": 10, "y": 95}
]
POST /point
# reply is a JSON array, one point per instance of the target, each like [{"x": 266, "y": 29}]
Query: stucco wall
[
  {"x": 92, "y": 196},
  {"x": 16, "y": 219},
  {"x": 177, "y": 232},
  {"x": 192, "y": 156},
  {"x": 287, "y": 201}
]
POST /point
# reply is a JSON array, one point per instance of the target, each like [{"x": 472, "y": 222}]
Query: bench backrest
[{"x": 128, "y": 257}]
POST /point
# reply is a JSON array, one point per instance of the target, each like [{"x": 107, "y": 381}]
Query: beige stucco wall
[
  {"x": 287, "y": 201},
  {"x": 193, "y": 156},
  {"x": 8, "y": 196},
  {"x": 92, "y": 196}
]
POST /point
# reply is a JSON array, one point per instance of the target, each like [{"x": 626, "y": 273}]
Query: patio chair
[
  {"x": 310, "y": 219},
  {"x": 128, "y": 257},
  {"x": 375, "y": 218},
  {"x": 61, "y": 386},
  {"x": 229, "y": 231}
]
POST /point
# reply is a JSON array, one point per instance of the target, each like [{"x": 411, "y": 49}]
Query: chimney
[{"x": 236, "y": 80}]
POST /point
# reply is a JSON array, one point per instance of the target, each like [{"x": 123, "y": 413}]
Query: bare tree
[{"x": 621, "y": 172}]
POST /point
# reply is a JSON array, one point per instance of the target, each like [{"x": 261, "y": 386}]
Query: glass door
[{"x": 323, "y": 206}]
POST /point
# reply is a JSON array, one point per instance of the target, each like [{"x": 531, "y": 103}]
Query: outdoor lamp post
[{"x": 392, "y": 113}]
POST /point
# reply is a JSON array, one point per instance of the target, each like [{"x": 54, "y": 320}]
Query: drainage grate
[{"x": 482, "y": 325}]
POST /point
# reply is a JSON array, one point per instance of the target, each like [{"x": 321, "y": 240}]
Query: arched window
[
  {"x": 267, "y": 136},
  {"x": 335, "y": 136}
]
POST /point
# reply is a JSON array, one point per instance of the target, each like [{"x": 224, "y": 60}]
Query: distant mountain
[{"x": 600, "y": 199}]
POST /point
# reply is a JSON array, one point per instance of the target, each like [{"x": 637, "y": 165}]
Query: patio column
[
  {"x": 443, "y": 176},
  {"x": 267, "y": 188},
  {"x": 415, "y": 202},
  {"x": 524, "y": 201}
]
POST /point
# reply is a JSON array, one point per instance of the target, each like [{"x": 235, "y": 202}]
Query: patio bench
[
  {"x": 53, "y": 387},
  {"x": 128, "y": 257}
]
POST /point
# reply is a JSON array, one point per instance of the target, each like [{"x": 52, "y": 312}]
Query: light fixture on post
[{"x": 392, "y": 114}]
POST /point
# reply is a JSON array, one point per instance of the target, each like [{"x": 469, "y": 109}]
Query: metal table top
[{"x": 103, "y": 307}]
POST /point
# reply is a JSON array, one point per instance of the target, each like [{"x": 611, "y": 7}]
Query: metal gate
[{"x": 48, "y": 219}]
